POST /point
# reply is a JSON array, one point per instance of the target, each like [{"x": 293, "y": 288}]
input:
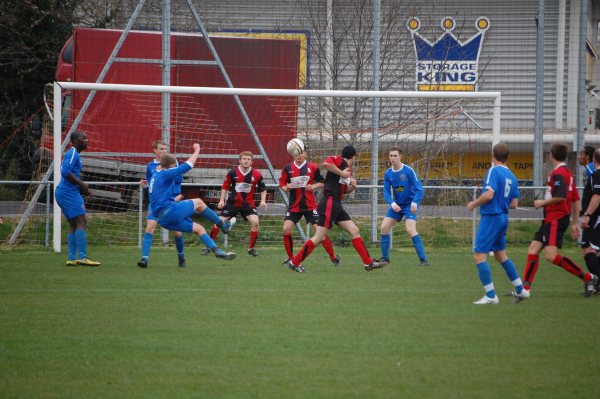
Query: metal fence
[{"x": 443, "y": 220}]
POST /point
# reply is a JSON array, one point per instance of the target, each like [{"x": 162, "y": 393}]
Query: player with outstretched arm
[
  {"x": 159, "y": 148},
  {"x": 176, "y": 216}
]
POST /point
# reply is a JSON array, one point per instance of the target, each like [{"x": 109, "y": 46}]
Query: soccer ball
[{"x": 295, "y": 147}]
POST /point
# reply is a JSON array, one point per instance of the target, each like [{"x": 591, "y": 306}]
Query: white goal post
[{"x": 93, "y": 87}]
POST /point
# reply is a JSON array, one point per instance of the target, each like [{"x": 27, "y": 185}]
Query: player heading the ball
[
  {"x": 338, "y": 182},
  {"x": 301, "y": 179}
]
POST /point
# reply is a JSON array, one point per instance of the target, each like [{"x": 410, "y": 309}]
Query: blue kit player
[
  {"x": 159, "y": 148},
  {"x": 499, "y": 193},
  {"x": 176, "y": 216},
  {"x": 68, "y": 195},
  {"x": 586, "y": 159},
  {"x": 403, "y": 191}
]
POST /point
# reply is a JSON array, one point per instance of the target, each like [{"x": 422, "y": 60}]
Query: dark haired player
[
  {"x": 300, "y": 179},
  {"x": 561, "y": 201},
  {"x": 69, "y": 197},
  {"x": 403, "y": 192},
  {"x": 338, "y": 182},
  {"x": 590, "y": 222}
]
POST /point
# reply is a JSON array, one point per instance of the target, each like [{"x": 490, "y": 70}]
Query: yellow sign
[{"x": 450, "y": 166}]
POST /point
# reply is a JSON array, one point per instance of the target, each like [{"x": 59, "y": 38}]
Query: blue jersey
[
  {"x": 504, "y": 183},
  {"x": 151, "y": 167},
  {"x": 71, "y": 164},
  {"x": 402, "y": 186},
  {"x": 589, "y": 169},
  {"x": 162, "y": 187}
]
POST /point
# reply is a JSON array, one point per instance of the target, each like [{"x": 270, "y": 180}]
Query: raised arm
[
  {"x": 194, "y": 157},
  {"x": 333, "y": 168}
]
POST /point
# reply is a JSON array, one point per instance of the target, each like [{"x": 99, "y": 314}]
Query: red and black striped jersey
[
  {"x": 300, "y": 176},
  {"x": 242, "y": 186},
  {"x": 561, "y": 183},
  {"x": 335, "y": 185}
]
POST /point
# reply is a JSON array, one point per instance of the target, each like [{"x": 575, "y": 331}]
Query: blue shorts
[
  {"x": 71, "y": 203},
  {"x": 177, "y": 217},
  {"x": 491, "y": 233},
  {"x": 404, "y": 213},
  {"x": 151, "y": 216}
]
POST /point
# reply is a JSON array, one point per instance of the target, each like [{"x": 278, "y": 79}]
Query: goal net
[{"x": 438, "y": 132}]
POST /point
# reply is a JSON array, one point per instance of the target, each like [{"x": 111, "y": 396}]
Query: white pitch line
[{"x": 192, "y": 290}]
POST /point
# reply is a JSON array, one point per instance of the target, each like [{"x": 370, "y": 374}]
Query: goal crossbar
[{"x": 495, "y": 95}]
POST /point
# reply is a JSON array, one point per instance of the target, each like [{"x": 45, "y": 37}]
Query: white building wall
[{"x": 507, "y": 59}]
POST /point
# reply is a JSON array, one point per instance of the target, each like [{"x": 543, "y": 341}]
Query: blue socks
[
  {"x": 179, "y": 245},
  {"x": 81, "y": 239},
  {"x": 209, "y": 214},
  {"x": 485, "y": 275},
  {"x": 205, "y": 238},
  {"x": 385, "y": 246},
  {"x": 146, "y": 244},
  {"x": 513, "y": 275},
  {"x": 418, "y": 244},
  {"x": 72, "y": 245}
]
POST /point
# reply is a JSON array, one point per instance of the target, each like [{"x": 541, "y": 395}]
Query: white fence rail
[{"x": 441, "y": 204}]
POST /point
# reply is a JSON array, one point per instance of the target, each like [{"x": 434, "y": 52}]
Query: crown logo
[{"x": 447, "y": 64}]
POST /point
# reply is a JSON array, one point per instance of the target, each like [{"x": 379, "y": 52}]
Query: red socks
[
  {"x": 214, "y": 232},
  {"x": 328, "y": 247},
  {"x": 359, "y": 246},
  {"x": 571, "y": 267},
  {"x": 253, "y": 238},
  {"x": 306, "y": 249},
  {"x": 533, "y": 261},
  {"x": 288, "y": 243}
]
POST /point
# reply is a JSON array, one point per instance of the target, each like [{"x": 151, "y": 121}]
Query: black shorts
[
  {"x": 551, "y": 234},
  {"x": 331, "y": 211},
  {"x": 311, "y": 217},
  {"x": 591, "y": 235},
  {"x": 230, "y": 211}
]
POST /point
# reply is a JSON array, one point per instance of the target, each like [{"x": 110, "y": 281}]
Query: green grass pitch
[{"x": 252, "y": 329}]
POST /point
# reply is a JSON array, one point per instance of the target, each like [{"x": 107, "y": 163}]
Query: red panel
[
  {"x": 114, "y": 119},
  {"x": 259, "y": 63}
]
